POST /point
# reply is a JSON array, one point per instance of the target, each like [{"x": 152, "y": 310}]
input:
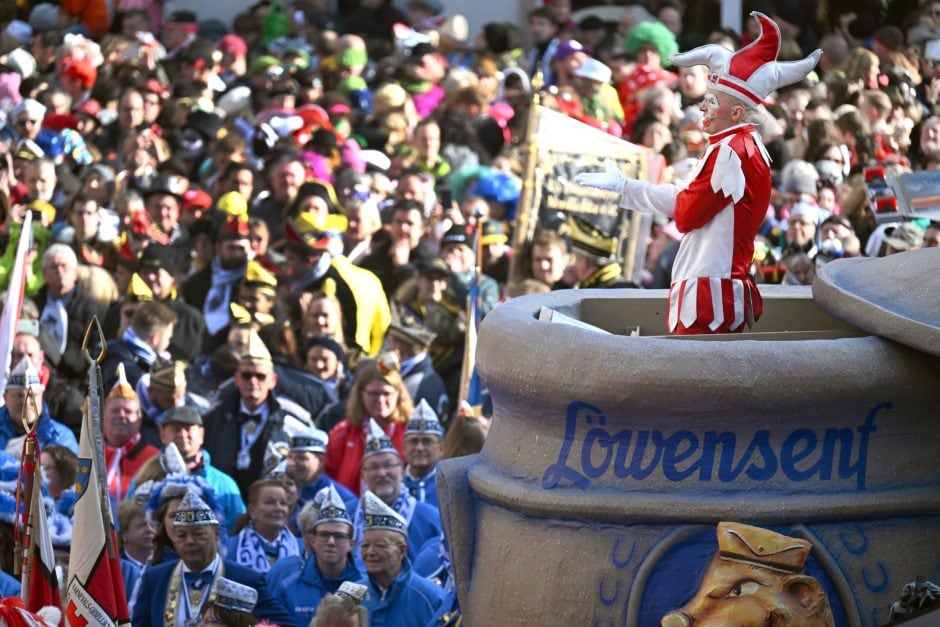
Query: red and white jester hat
[{"x": 752, "y": 73}]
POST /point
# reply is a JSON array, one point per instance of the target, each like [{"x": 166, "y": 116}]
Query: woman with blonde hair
[
  {"x": 262, "y": 535},
  {"x": 862, "y": 66},
  {"x": 377, "y": 393}
]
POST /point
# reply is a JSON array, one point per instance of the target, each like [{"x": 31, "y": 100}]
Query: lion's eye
[{"x": 744, "y": 588}]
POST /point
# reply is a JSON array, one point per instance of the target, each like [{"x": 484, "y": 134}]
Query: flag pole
[
  {"x": 93, "y": 406},
  {"x": 470, "y": 338},
  {"x": 527, "y": 215},
  {"x": 23, "y": 536},
  {"x": 95, "y": 590},
  {"x": 15, "y": 292}
]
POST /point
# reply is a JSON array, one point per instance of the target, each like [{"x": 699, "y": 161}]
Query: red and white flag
[
  {"x": 96, "y": 596},
  {"x": 14, "y": 303},
  {"x": 40, "y": 586}
]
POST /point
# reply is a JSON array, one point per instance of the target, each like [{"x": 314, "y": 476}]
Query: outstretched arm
[
  {"x": 649, "y": 198},
  {"x": 634, "y": 194}
]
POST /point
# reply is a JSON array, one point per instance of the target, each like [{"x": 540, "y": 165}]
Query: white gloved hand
[{"x": 611, "y": 179}]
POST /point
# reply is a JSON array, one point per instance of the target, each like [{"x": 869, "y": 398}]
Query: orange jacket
[{"x": 93, "y": 13}]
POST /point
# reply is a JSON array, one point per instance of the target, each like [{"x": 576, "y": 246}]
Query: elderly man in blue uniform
[
  {"x": 330, "y": 564},
  {"x": 398, "y": 597},
  {"x": 424, "y": 446},
  {"x": 22, "y": 399},
  {"x": 176, "y": 592},
  {"x": 305, "y": 465},
  {"x": 383, "y": 474}
]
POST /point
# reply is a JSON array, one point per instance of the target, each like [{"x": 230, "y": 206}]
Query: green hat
[
  {"x": 655, "y": 34},
  {"x": 263, "y": 63}
]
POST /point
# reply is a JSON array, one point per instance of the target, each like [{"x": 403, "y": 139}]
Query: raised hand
[{"x": 611, "y": 179}]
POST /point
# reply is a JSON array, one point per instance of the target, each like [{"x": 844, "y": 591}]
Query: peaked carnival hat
[
  {"x": 122, "y": 388},
  {"x": 332, "y": 508},
  {"x": 194, "y": 512},
  {"x": 752, "y": 73},
  {"x": 377, "y": 441},
  {"x": 378, "y": 515},
  {"x": 424, "y": 421}
]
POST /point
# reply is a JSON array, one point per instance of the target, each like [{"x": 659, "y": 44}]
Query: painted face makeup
[{"x": 710, "y": 108}]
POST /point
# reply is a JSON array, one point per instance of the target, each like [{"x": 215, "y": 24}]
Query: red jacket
[
  {"x": 347, "y": 445},
  {"x": 134, "y": 454}
]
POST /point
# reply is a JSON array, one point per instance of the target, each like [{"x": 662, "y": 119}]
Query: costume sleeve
[
  {"x": 649, "y": 198},
  {"x": 697, "y": 204}
]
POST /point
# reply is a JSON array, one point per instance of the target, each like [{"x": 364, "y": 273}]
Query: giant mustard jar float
[{"x": 624, "y": 473}]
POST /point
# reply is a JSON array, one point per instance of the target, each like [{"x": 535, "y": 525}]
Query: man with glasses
[
  {"x": 248, "y": 416},
  {"x": 398, "y": 597},
  {"x": 154, "y": 94},
  {"x": 178, "y": 591},
  {"x": 383, "y": 475},
  {"x": 327, "y": 534}
]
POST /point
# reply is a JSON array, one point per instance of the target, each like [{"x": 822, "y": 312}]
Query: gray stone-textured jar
[{"x": 611, "y": 459}]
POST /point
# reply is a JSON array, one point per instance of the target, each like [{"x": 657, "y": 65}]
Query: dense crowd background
[{"x": 275, "y": 221}]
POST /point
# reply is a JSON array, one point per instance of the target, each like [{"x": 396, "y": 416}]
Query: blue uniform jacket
[
  {"x": 48, "y": 431},
  {"x": 301, "y": 592},
  {"x": 411, "y": 600},
  {"x": 425, "y": 488},
  {"x": 155, "y": 582},
  {"x": 310, "y": 490},
  {"x": 282, "y": 569},
  {"x": 429, "y": 562}
]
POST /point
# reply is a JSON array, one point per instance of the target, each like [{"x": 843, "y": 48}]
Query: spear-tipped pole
[{"x": 93, "y": 413}]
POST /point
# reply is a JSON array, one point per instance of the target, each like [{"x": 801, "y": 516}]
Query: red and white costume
[{"x": 720, "y": 211}]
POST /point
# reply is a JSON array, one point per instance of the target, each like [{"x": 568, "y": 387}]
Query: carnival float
[{"x": 635, "y": 478}]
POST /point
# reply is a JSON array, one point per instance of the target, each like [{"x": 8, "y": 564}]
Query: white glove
[{"x": 611, "y": 179}]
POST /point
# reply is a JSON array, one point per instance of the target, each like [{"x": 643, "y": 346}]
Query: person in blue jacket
[
  {"x": 180, "y": 589},
  {"x": 183, "y": 427},
  {"x": 330, "y": 564},
  {"x": 383, "y": 474},
  {"x": 398, "y": 597},
  {"x": 305, "y": 466},
  {"x": 22, "y": 381},
  {"x": 424, "y": 446}
]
